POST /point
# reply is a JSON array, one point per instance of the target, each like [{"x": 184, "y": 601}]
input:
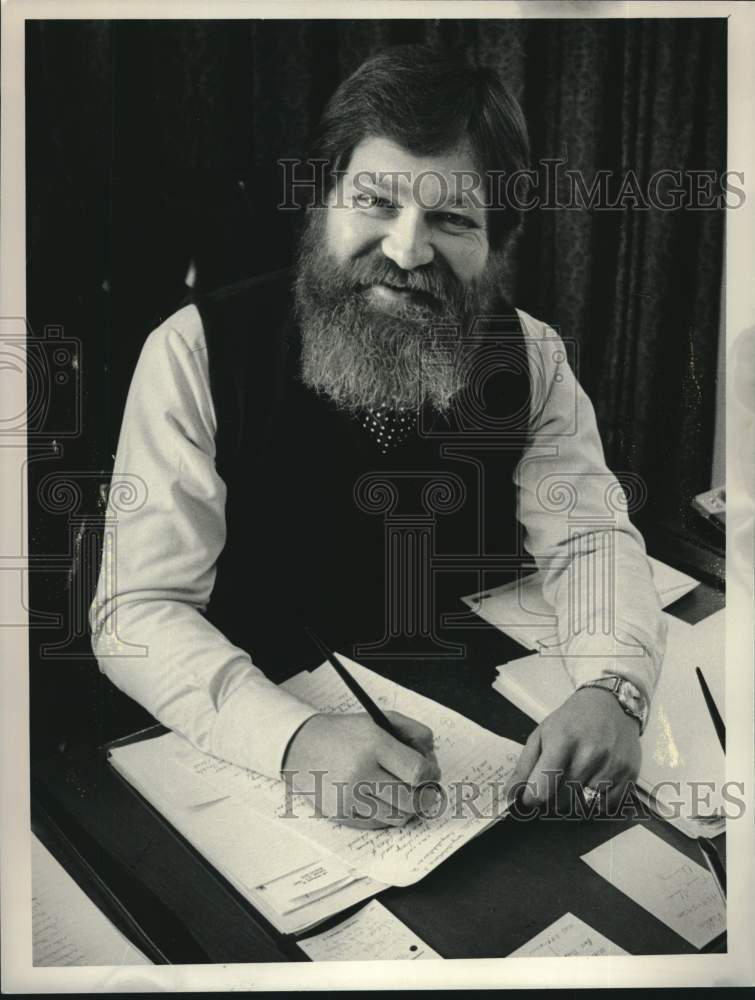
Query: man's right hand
[{"x": 377, "y": 774}]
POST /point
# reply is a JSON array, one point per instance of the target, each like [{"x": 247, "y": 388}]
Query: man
[{"x": 280, "y": 425}]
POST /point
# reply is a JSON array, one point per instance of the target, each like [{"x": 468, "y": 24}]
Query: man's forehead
[{"x": 381, "y": 162}]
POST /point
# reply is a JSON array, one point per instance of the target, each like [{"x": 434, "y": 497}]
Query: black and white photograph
[{"x": 377, "y": 391}]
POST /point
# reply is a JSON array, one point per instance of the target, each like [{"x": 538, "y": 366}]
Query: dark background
[{"x": 153, "y": 144}]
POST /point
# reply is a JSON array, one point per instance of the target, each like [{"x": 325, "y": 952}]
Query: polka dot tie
[{"x": 387, "y": 427}]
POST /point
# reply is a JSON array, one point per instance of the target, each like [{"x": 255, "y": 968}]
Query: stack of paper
[
  {"x": 291, "y": 881},
  {"x": 683, "y": 767},
  {"x": 520, "y": 610},
  {"x": 474, "y": 763},
  {"x": 296, "y": 867}
]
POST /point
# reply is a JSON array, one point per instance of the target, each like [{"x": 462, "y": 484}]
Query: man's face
[
  {"x": 391, "y": 273},
  {"x": 411, "y": 209}
]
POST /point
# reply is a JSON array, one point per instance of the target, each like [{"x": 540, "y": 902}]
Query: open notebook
[
  {"x": 679, "y": 747},
  {"x": 299, "y": 869}
]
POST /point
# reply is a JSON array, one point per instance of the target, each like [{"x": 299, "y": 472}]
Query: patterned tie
[{"x": 387, "y": 426}]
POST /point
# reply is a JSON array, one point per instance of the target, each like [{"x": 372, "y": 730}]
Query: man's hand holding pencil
[{"x": 370, "y": 778}]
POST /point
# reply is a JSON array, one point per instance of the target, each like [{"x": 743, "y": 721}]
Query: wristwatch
[{"x": 628, "y": 695}]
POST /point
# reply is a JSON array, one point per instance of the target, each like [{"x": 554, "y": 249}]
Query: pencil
[
  {"x": 713, "y": 861},
  {"x": 715, "y": 715},
  {"x": 375, "y": 713}
]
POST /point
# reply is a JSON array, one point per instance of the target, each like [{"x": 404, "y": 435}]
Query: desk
[{"x": 485, "y": 901}]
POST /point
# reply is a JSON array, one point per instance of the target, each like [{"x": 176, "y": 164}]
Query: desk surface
[{"x": 485, "y": 901}]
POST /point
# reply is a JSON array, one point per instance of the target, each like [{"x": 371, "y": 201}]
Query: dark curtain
[{"x": 153, "y": 144}]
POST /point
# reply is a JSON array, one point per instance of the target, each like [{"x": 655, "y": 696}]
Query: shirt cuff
[
  {"x": 590, "y": 657},
  {"x": 255, "y": 725}
]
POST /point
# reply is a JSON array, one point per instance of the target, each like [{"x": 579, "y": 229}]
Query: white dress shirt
[{"x": 152, "y": 640}]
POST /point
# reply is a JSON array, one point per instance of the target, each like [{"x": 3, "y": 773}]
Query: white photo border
[{"x": 733, "y": 968}]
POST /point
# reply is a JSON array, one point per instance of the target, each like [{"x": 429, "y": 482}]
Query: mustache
[{"x": 434, "y": 283}]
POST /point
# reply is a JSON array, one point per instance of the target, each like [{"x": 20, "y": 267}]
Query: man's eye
[
  {"x": 456, "y": 221},
  {"x": 364, "y": 200}
]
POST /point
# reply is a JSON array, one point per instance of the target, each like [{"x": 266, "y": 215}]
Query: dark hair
[{"x": 426, "y": 99}]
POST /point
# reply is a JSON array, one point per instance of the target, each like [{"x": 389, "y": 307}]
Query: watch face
[{"x": 630, "y": 696}]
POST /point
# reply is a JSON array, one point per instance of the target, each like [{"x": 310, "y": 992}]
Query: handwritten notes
[
  {"x": 372, "y": 933},
  {"x": 475, "y": 764},
  {"x": 67, "y": 928},
  {"x": 674, "y": 889},
  {"x": 565, "y": 937}
]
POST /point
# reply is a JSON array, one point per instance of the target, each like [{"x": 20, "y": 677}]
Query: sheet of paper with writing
[
  {"x": 371, "y": 934},
  {"x": 664, "y": 881},
  {"x": 474, "y": 762},
  {"x": 568, "y": 936},
  {"x": 67, "y": 928}
]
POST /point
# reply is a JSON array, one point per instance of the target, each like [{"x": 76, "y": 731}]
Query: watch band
[{"x": 628, "y": 695}]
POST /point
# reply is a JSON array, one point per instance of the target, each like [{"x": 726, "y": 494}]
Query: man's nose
[{"x": 408, "y": 242}]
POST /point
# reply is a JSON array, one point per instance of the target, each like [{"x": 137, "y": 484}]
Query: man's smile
[
  {"x": 395, "y": 297},
  {"x": 392, "y": 293}
]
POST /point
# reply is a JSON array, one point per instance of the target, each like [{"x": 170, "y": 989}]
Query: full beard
[{"x": 363, "y": 356}]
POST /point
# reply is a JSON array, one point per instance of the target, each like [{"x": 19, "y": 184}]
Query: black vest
[{"x": 372, "y": 551}]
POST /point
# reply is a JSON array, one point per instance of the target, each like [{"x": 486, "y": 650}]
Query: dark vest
[{"x": 369, "y": 550}]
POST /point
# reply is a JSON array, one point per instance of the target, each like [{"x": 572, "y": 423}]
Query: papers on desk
[
  {"x": 664, "y": 881},
  {"x": 67, "y": 928},
  {"x": 291, "y": 881},
  {"x": 372, "y": 934},
  {"x": 468, "y": 755},
  {"x": 566, "y": 937},
  {"x": 521, "y": 611},
  {"x": 679, "y": 746},
  {"x": 299, "y": 869}
]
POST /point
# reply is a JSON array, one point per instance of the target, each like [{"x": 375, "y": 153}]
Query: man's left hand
[{"x": 589, "y": 740}]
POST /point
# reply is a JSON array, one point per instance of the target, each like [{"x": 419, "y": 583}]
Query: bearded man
[{"x": 311, "y": 440}]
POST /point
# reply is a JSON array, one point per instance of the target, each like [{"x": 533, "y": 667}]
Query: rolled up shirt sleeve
[
  {"x": 573, "y": 510},
  {"x": 161, "y": 546}
]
